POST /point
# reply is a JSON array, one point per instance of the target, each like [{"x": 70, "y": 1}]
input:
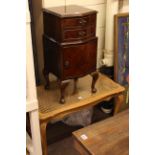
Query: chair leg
[
  {"x": 43, "y": 137},
  {"x": 118, "y": 103}
]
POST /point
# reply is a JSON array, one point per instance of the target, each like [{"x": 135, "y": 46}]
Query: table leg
[
  {"x": 118, "y": 103},
  {"x": 95, "y": 77},
  {"x": 43, "y": 137}
]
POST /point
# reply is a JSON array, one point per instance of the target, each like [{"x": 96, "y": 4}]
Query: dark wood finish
[
  {"x": 63, "y": 86},
  {"x": 71, "y": 28},
  {"x": 75, "y": 85},
  {"x": 79, "y": 59},
  {"x": 108, "y": 137},
  {"x": 95, "y": 77},
  {"x": 70, "y": 43},
  {"x": 69, "y": 11},
  {"x": 46, "y": 76}
]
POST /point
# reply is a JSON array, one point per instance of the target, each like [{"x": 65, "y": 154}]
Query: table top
[
  {"x": 107, "y": 137},
  {"x": 50, "y": 108}
]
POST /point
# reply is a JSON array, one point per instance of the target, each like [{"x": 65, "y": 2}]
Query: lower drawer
[{"x": 79, "y": 59}]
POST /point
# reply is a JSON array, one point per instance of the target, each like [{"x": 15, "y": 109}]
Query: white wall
[
  {"x": 112, "y": 7},
  {"x": 125, "y": 7},
  {"x": 98, "y": 5}
]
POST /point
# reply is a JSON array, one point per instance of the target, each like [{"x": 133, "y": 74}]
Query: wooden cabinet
[{"x": 70, "y": 44}]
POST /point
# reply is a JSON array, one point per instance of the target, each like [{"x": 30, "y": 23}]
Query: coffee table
[{"x": 76, "y": 99}]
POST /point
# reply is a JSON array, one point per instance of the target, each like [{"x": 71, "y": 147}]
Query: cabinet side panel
[
  {"x": 51, "y": 56},
  {"x": 52, "y": 26}
]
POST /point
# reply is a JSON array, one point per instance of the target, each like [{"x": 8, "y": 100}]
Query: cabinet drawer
[
  {"x": 79, "y": 34},
  {"x": 79, "y": 59},
  {"x": 79, "y": 21}
]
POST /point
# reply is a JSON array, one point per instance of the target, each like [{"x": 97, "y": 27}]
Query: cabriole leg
[
  {"x": 46, "y": 76},
  {"x": 63, "y": 86},
  {"x": 95, "y": 77}
]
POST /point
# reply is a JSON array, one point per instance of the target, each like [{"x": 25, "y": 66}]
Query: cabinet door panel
[{"x": 80, "y": 59}]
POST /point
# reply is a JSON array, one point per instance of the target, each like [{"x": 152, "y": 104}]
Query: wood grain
[
  {"x": 50, "y": 108},
  {"x": 108, "y": 137}
]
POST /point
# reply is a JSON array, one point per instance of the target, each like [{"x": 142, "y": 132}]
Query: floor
[
  {"x": 61, "y": 143},
  {"x": 63, "y": 147},
  {"x": 62, "y": 130}
]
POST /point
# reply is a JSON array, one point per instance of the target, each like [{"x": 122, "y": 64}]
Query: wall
[
  {"x": 112, "y": 7},
  {"x": 125, "y": 7}
]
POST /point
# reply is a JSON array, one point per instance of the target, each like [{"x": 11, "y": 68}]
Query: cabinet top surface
[{"x": 69, "y": 10}]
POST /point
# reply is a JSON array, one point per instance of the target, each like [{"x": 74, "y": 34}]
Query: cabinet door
[{"x": 80, "y": 59}]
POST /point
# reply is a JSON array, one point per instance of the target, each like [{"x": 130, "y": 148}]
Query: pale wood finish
[
  {"x": 43, "y": 137},
  {"x": 51, "y": 109},
  {"x": 119, "y": 100},
  {"x": 108, "y": 137},
  {"x": 80, "y": 148}
]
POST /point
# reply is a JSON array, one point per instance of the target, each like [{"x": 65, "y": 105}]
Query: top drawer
[{"x": 79, "y": 21}]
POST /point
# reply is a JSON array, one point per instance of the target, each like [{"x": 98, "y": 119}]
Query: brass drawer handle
[
  {"x": 82, "y": 22},
  {"x": 82, "y": 33}
]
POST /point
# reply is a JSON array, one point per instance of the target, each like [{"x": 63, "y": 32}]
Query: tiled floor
[{"x": 63, "y": 147}]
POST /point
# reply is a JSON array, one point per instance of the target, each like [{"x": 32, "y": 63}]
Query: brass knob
[
  {"x": 82, "y": 33},
  {"x": 82, "y": 21},
  {"x": 66, "y": 64}
]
